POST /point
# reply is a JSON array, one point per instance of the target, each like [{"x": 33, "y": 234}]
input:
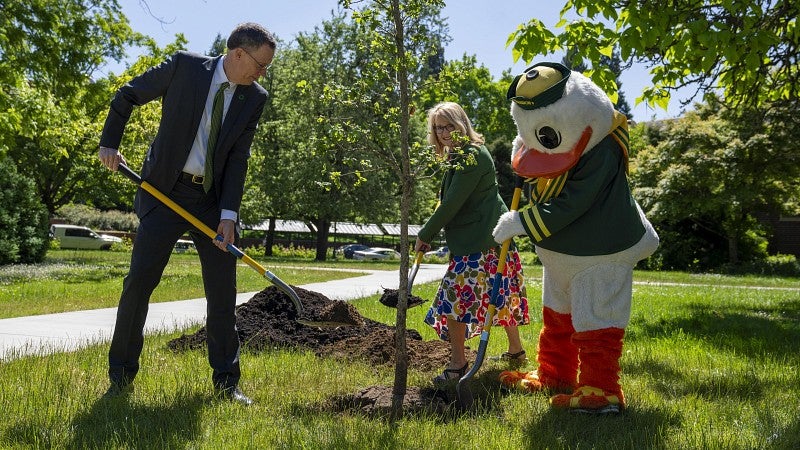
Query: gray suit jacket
[{"x": 182, "y": 82}]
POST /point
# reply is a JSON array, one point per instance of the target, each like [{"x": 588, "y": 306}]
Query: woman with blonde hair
[{"x": 469, "y": 206}]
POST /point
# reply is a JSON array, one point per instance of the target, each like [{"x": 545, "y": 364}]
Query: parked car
[
  {"x": 441, "y": 252},
  {"x": 183, "y": 245},
  {"x": 375, "y": 254},
  {"x": 83, "y": 238},
  {"x": 347, "y": 250}
]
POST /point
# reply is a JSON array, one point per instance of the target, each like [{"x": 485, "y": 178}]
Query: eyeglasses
[
  {"x": 263, "y": 67},
  {"x": 442, "y": 128}
]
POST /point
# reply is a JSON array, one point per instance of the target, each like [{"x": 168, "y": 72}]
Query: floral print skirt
[{"x": 466, "y": 290}]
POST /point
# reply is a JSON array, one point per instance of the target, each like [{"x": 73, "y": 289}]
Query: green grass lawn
[
  {"x": 708, "y": 363},
  {"x": 73, "y": 280}
]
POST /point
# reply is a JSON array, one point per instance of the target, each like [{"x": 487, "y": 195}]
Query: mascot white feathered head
[{"x": 560, "y": 115}]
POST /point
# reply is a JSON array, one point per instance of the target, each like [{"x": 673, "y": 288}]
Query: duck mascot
[{"x": 587, "y": 229}]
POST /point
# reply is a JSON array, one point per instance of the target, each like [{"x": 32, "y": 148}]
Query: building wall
[{"x": 785, "y": 237}]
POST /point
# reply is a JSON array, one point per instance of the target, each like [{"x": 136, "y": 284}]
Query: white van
[{"x": 75, "y": 236}]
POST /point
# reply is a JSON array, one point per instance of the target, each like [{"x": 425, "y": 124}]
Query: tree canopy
[{"x": 746, "y": 50}]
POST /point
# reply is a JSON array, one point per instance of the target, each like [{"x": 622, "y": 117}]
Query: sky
[{"x": 477, "y": 27}]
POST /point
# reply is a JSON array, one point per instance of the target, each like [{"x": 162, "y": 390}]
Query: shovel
[
  {"x": 463, "y": 393},
  {"x": 414, "y": 270},
  {"x": 133, "y": 176}
]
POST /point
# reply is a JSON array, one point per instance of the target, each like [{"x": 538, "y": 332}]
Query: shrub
[
  {"x": 773, "y": 265},
  {"x": 23, "y": 218},
  {"x": 280, "y": 251},
  {"x": 125, "y": 246},
  {"x": 294, "y": 252},
  {"x": 98, "y": 220}
]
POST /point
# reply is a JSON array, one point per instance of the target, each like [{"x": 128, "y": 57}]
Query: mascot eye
[{"x": 548, "y": 137}]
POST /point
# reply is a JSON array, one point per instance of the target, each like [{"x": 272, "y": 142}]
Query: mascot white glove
[{"x": 508, "y": 226}]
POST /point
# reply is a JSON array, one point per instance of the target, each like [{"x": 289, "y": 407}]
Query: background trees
[
  {"x": 347, "y": 112},
  {"x": 309, "y": 162},
  {"x": 704, "y": 178},
  {"x": 49, "y": 105}
]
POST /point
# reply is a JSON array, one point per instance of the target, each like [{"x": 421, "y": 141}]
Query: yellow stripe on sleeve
[
  {"x": 526, "y": 216},
  {"x": 540, "y": 222}
]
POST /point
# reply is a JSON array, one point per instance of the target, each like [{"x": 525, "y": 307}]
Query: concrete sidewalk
[{"x": 50, "y": 333}]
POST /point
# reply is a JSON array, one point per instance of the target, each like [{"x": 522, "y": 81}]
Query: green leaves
[
  {"x": 531, "y": 40},
  {"x": 748, "y": 49}
]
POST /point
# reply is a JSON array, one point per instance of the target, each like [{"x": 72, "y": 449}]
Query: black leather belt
[{"x": 191, "y": 178}]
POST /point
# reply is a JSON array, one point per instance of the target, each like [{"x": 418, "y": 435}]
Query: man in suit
[{"x": 209, "y": 188}]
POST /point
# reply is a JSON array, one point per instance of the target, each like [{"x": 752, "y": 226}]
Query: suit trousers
[{"x": 156, "y": 235}]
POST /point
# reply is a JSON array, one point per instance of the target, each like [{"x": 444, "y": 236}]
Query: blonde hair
[{"x": 454, "y": 114}]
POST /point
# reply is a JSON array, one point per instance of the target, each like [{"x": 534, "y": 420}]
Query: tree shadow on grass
[
  {"x": 764, "y": 332},
  {"x": 675, "y": 384},
  {"x": 787, "y": 438},
  {"x": 773, "y": 330},
  {"x": 633, "y": 428},
  {"x": 117, "y": 422}
]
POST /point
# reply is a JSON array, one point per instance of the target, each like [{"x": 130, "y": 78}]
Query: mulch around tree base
[
  {"x": 377, "y": 401},
  {"x": 268, "y": 320}
]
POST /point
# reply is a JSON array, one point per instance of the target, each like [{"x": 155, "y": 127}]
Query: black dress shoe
[
  {"x": 235, "y": 395},
  {"x": 118, "y": 390}
]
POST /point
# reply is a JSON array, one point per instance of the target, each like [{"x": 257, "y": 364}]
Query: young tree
[
  {"x": 748, "y": 50},
  {"x": 304, "y": 165},
  {"x": 401, "y": 37}
]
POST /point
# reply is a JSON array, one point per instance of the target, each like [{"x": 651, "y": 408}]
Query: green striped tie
[{"x": 213, "y": 133}]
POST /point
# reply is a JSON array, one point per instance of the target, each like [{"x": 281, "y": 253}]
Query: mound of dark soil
[
  {"x": 268, "y": 320},
  {"x": 378, "y": 348}
]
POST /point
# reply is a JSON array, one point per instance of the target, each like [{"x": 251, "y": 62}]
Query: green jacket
[
  {"x": 470, "y": 205},
  {"x": 589, "y": 210}
]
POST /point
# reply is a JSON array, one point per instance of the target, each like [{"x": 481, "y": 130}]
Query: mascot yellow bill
[{"x": 588, "y": 231}]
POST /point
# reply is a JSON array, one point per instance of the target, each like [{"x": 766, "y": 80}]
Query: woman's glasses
[{"x": 442, "y": 128}]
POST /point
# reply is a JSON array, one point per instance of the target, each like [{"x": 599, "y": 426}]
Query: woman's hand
[{"x": 422, "y": 246}]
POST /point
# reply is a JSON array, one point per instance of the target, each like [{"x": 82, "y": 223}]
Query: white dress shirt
[{"x": 195, "y": 163}]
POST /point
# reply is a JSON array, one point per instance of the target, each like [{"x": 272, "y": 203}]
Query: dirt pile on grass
[{"x": 268, "y": 320}]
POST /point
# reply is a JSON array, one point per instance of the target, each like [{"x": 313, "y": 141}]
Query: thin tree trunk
[
  {"x": 733, "y": 249},
  {"x": 401, "y": 352}
]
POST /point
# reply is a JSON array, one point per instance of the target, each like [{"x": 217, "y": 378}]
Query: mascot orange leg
[
  {"x": 556, "y": 354},
  {"x": 598, "y": 383}
]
